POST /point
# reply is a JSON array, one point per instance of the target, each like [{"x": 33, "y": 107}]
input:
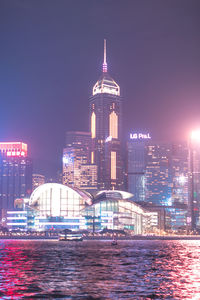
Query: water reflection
[{"x": 96, "y": 270}]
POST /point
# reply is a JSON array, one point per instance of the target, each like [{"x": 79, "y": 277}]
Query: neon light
[
  {"x": 15, "y": 154},
  {"x": 13, "y": 148},
  {"x": 139, "y": 136}
]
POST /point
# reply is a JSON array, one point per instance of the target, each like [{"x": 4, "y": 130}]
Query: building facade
[
  {"x": 136, "y": 165},
  {"x": 15, "y": 174},
  {"x": 54, "y": 206},
  {"x": 77, "y": 169},
  {"x": 158, "y": 175},
  {"x": 194, "y": 183},
  {"x": 105, "y": 107},
  {"x": 37, "y": 180}
]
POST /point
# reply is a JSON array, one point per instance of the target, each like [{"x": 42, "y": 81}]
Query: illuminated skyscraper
[
  {"x": 15, "y": 174},
  {"x": 158, "y": 175},
  {"x": 167, "y": 181},
  {"x": 105, "y": 126},
  {"x": 136, "y": 165},
  {"x": 77, "y": 171}
]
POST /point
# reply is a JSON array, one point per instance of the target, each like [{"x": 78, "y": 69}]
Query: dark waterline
[{"x": 97, "y": 270}]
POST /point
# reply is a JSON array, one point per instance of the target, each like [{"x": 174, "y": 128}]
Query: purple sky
[{"x": 51, "y": 54}]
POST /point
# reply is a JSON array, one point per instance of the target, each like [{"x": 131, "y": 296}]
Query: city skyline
[{"x": 49, "y": 68}]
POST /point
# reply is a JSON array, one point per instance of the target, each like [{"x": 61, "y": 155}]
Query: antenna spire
[{"x": 104, "y": 58}]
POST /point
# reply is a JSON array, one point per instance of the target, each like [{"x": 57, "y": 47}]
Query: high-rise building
[
  {"x": 179, "y": 168},
  {"x": 15, "y": 174},
  {"x": 158, "y": 174},
  {"x": 105, "y": 125},
  {"x": 167, "y": 181},
  {"x": 194, "y": 182},
  {"x": 37, "y": 180},
  {"x": 136, "y": 165},
  {"x": 77, "y": 170}
]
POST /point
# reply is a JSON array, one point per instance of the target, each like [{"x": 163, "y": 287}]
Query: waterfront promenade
[{"x": 49, "y": 236}]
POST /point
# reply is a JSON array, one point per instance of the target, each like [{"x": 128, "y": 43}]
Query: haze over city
[{"x": 51, "y": 56}]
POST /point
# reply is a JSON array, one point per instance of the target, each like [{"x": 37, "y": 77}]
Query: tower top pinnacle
[
  {"x": 105, "y": 84},
  {"x": 104, "y": 58}
]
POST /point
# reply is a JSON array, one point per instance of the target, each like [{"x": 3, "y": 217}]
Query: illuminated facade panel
[
  {"x": 93, "y": 125},
  {"x": 92, "y": 157},
  {"x": 113, "y": 165},
  {"x": 13, "y": 149},
  {"x": 113, "y": 125}
]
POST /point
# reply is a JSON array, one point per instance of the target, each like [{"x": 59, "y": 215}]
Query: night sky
[{"x": 51, "y": 53}]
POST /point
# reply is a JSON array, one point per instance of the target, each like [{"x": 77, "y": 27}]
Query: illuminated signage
[
  {"x": 140, "y": 136},
  {"x": 13, "y": 149},
  {"x": 15, "y": 153}
]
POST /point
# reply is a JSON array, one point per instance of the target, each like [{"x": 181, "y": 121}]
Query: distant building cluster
[{"x": 162, "y": 180}]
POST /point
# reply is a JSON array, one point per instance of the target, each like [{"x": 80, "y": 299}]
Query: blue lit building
[
  {"x": 158, "y": 175},
  {"x": 136, "y": 165}
]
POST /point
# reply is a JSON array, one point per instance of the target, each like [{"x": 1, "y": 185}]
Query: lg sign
[{"x": 138, "y": 136}]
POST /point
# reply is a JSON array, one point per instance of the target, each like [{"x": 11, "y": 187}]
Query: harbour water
[{"x": 97, "y": 270}]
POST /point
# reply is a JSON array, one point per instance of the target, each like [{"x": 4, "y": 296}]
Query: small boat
[
  {"x": 114, "y": 242},
  {"x": 70, "y": 237}
]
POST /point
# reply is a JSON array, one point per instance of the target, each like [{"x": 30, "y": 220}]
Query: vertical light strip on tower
[
  {"x": 104, "y": 58},
  {"x": 93, "y": 125},
  {"x": 113, "y": 161}
]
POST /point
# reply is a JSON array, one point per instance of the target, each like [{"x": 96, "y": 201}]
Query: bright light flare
[
  {"x": 182, "y": 179},
  {"x": 195, "y": 135}
]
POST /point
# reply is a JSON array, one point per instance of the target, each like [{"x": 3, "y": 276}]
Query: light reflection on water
[{"x": 97, "y": 270}]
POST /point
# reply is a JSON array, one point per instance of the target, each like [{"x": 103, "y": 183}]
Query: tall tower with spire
[{"x": 105, "y": 126}]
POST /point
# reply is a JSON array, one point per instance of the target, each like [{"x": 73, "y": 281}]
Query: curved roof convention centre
[{"x": 53, "y": 199}]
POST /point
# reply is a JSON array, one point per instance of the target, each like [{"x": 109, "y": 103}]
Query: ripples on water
[{"x": 97, "y": 270}]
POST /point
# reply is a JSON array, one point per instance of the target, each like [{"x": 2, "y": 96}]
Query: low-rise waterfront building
[{"x": 55, "y": 206}]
